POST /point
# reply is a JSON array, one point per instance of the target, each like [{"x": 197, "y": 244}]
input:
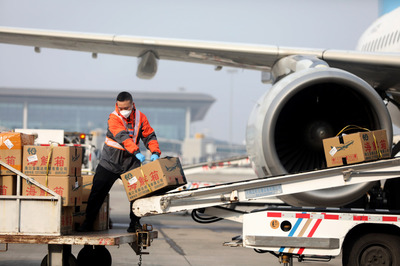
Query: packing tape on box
[{"x": 48, "y": 164}]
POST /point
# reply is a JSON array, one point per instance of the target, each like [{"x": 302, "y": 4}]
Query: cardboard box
[
  {"x": 64, "y": 160},
  {"x": 356, "y": 148},
  {"x": 102, "y": 219},
  {"x": 87, "y": 182},
  {"x": 152, "y": 178},
  {"x": 11, "y": 145},
  {"x": 66, "y": 220},
  {"x": 15, "y": 141},
  {"x": 69, "y": 188},
  {"x": 8, "y": 185}
]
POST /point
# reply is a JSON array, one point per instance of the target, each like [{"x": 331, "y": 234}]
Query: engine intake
[{"x": 286, "y": 127}]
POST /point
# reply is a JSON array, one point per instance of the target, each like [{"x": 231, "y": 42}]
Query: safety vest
[{"x": 132, "y": 132}]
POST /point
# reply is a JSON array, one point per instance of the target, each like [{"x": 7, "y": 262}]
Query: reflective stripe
[
  {"x": 113, "y": 143},
  {"x": 135, "y": 131}
]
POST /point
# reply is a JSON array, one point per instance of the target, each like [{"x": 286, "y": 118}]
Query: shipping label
[
  {"x": 32, "y": 158},
  {"x": 132, "y": 181},
  {"x": 9, "y": 144},
  {"x": 333, "y": 151},
  {"x": 263, "y": 191}
]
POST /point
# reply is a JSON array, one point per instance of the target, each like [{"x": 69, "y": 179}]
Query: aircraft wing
[{"x": 379, "y": 69}]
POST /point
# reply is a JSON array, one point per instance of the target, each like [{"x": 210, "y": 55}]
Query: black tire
[
  {"x": 377, "y": 249},
  {"x": 103, "y": 256},
  {"x": 86, "y": 256},
  {"x": 72, "y": 261},
  {"x": 94, "y": 255}
]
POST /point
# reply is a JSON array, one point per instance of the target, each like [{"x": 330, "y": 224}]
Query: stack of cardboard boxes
[
  {"x": 59, "y": 169},
  {"x": 56, "y": 167},
  {"x": 11, "y": 146}
]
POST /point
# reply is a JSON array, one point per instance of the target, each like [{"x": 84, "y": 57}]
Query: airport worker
[{"x": 126, "y": 126}]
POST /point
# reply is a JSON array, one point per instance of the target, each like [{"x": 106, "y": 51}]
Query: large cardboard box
[
  {"x": 64, "y": 160},
  {"x": 356, "y": 147},
  {"x": 102, "y": 219},
  {"x": 69, "y": 188},
  {"x": 8, "y": 185},
  {"x": 152, "y": 178},
  {"x": 11, "y": 145}
]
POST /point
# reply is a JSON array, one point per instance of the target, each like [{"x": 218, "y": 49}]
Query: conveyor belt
[{"x": 248, "y": 190}]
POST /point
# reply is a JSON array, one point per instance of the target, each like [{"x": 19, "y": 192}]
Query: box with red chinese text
[
  {"x": 8, "y": 185},
  {"x": 357, "y": 147},
  {"x": 68, "y": 187},
  {"x": 11, "y": 145},
  {"x": 66, "y": 220},
  {"x": 102, "y": 219},
  {"x": 153, "y": 178},
  {"x": 64, "y": 160}
]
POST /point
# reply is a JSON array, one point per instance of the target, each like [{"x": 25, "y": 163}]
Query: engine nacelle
[
  {"x": 287, "y": 125},
  {"x": 147, "y": 65}
]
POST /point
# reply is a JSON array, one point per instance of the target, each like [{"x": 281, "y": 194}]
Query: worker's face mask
[{"x": 126, "y": 113}]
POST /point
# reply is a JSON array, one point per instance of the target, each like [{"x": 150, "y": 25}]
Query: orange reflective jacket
[{"x": 122, "y": 140}]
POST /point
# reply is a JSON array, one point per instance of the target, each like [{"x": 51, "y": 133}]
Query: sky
[{"x": 329, "y": 24}]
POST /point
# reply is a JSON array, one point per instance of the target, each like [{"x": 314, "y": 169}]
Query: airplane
[{"x": 314, "y": 93}]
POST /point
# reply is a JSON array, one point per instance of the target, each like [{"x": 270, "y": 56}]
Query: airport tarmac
[{"x": 181, "y": 241}]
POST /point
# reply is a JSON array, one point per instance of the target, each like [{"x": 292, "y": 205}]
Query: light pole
[{"x": 231, "y": 71}]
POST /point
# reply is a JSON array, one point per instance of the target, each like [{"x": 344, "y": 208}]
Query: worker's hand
[
  {"x": 154, "y": 157},
  {"x": 140, "y": 157}
]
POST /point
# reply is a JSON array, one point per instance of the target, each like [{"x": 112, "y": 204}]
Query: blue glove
[
  {"x": 140, "y": 157},
  {"x": 154, "y": 157}
]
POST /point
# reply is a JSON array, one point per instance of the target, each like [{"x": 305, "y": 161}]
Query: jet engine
[{"x": 287, "y": 125}]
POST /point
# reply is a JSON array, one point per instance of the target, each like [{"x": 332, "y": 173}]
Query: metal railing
[{"x": 30, "y": 215}]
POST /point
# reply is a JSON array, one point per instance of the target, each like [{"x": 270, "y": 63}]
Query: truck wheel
[
  {"x": 94, "y": 255},
  {"x": 372, "y": 249},
  {"x": 71, "y": 261}
]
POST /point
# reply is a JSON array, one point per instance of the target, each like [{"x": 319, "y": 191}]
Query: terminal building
[{"x": 169, "y": 113}]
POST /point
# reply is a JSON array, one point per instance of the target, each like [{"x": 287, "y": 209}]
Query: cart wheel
[
  {"x": 103, "y": 256},
  {"x": 372, "y": 249},
  {"x": 94, "y": 255},
  {"x": 72, "y": 261}
]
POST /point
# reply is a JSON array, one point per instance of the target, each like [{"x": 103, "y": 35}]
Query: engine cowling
[{"x": 287, "y": 125}]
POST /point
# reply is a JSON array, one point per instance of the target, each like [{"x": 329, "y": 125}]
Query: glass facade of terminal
[
  {"x": 170, "y": 114},
  {"x": 169, "y": 123},
  {"x": 11, "y": 115}
]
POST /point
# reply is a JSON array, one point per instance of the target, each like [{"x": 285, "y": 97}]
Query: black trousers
[{"x": 103, "y": 180}]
